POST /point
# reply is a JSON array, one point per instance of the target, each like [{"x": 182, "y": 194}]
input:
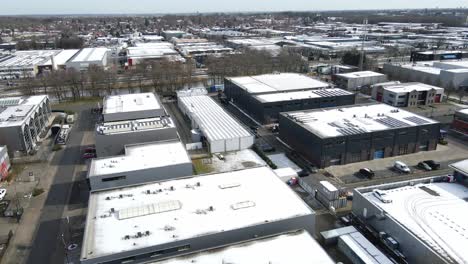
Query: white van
[
  {"x": 402, "y": 167},
  {"x": 382, "y": 196}
]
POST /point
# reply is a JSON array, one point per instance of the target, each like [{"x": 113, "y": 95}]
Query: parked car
[
  {"x": 366, "y": 172},
  {"x": 382, "y": 196},
  {"x": 90, "y": 150},
  {"x": 2, "y": 194},
  {"x": 434, "y": 165},
  {"x": 265, "y": 147},
  {"x": 424, "y": 166},
  {"x": 89, "y": 155},
  {"x": 220, "y": 156},
  {"x": 303, "y": 173},
  {"x": 402, "y": 167}
]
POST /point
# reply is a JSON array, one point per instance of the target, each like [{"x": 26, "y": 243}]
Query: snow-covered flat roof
[
  {"x": 436, "y": 213},
  {"x": 130, "y": 103},
  {"x": 361, "y": 74},
  {"x": 140, "y": 157},
  {"x": 276, "y": 249},
  {"x": 458, "y": 64},
  {"x": 269, "y": 83},
  {"x": 186, "y": 208},
  {"x": 299, "y": 95},
  {"x": 14, "y": 111},
  {"x": 461, "y": 166},
  {"x": 342, "y": 121},
  {"x": 137, "y": 125},
  {"x": 62, "y": 57},
  {"x": 409, "y": 87},
  {"x": 213, "y": 121},
  {"x": 423, "y": 68},
  {"x": 90, "y": 54}
]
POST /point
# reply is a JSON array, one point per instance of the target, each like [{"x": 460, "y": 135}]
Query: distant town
[{"x": 247, "y": 138}]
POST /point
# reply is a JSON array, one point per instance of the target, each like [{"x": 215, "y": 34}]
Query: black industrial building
[
  {"x": 438, "y": 55},
  {"x": 264, "y": 97},
  {"x": 337, "y": 136}
]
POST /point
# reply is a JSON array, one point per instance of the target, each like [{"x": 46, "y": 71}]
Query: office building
[
  {"x": 460, "y": 123},
  {"x": 22, "y": 120},
  {"x": 407, "y": 94},
  {"x": 342, "y": 135}
]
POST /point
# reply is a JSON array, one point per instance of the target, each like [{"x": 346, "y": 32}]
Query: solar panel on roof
[
  {"x": 417, "y": 120},
  {"x": 9, "y": 101},
  {"x": 392, "y": 122}
]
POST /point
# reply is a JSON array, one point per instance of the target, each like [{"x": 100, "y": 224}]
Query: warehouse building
[
  {"x": 426, "y": 218},
  {"x": 86, "y": 57},
  {"x": 264, "y": 96},
  {"x": 337, "y": 136},
  {"x": 22, "y": 120},
  {"x": 148, "y": 52},
  {"x": 407, "y": 94},
  {"x": 353, "y": 81},
  {"x": 460, "y": 171},
  {"x": 29, "y": 63},
  {"x": 131, "y": 106},
  {"x": 449, "y": 75},
  {"x": 274, "y": 249},
  {"x": 460, "y": 123},
  {"x": 167, "y": 219},
  {"x": 111, "y": 137},
  {"x": 218, "y": 130},
  {"x": 5, "y": 164},
  {"x": 433, "y": 55},
  {"x": 147, "y": 162}
]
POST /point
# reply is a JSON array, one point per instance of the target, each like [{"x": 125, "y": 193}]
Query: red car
[{"x": 89, "y": 155}]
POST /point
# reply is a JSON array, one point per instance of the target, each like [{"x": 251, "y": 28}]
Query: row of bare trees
[{"x": 254, "y": 62}]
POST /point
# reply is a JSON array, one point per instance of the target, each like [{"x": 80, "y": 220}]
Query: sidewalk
[{"x": 20, "y": 244}]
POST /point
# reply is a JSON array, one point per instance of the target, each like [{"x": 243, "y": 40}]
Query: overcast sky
[{"x": 14, "y": 7}]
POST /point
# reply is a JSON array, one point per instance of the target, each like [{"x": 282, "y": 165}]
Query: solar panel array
[
  {"x": 351, "y": 131},
  {"x": 392, "y": 122},
  {"x": 10, "y": 101},
  {"x": 135, "y": 125},
  {"x": 331, "y": 92},
  {"x": 417, "y": 120}
]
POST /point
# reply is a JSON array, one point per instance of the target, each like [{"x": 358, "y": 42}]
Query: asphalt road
[{"x": 48, "y": 246}]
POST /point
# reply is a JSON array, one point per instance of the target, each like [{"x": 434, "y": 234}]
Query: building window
[{"x": 117, "y": 178}]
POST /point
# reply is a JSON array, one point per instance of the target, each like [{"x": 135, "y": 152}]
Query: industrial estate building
[
  {"x": 451, "y": 75},
  {"x": 354, "y": 245},
  {"x": 265, "y": 96},
  {"x": 131, "y": 106},
  {"x": 274, "y": 249},
  {"x": 355, "y": 80},
  {"x": 22, "y": 120},
  {"x": 460, "y": 123},
  {"x": 426, "y": 218},
  {"x": 434, "y": 55},
  {"x": 170, "y": 218},
  {"x": 4, "y": 162},
  {"x": 341, "y": 135},
  {"x": 86, "y": 57},
  {"x": 147, "y": 162},
  {"x": 407, "y": 94},
  {"x": 111, "y": 137},
  {"x": 218, "y": 130},
  {"x": 154, "y": 51},
  {"x": 29, "y": 63},
  {"x": 131, "y": 119}
]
